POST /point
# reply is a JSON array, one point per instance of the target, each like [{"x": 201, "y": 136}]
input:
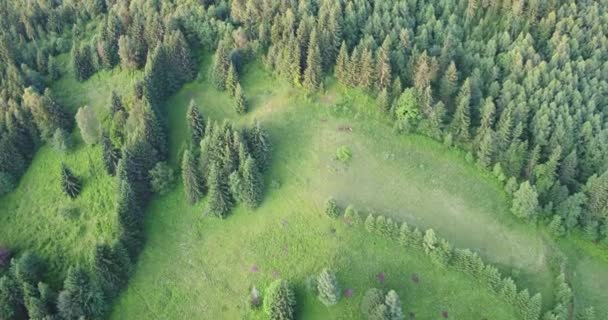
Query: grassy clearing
[
  {"x": 33, "y": 216},
  {"x": 206, "y": 264}
]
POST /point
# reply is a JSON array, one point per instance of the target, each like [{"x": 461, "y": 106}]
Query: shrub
[
  {"x": 328, "y": 288},
  {"x": 343, "y": 154},
  {"x": 331, "y": 208},
  {"x": 352, "y": 215},
  {"x": 256, "y": 298},
  {"x": 370, "y": 223},
  {"x": 280, "y": 301},
  {"x": 161, "y": 178}
]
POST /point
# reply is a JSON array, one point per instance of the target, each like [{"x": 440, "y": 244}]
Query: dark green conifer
[{"x": 69, "y": 182}]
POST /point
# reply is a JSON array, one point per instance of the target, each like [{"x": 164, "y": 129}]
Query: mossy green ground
[{"x": 199, "y": 267}]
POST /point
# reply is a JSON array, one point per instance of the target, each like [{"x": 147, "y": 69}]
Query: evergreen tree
[
  {"x": 328, "y": 288},
  {"x": 366, "y": 68},
  {"x": 10, "y": 298},
  {"x": 370, "y": 223},
  {"x": 129, "y": 212},
  {"x": 280, "y": 301},
  {"x": 111, "y": 155},
  {"x": 196, "y": 123},
  {"x": 393, "y": 303},
  {"x": 252, "y": 183},
  {"x": 69, "y": 182},
  {"x": 115, "y": 103},
  {"x": 461, "y": 120},
  {"x": 240, "y": 104},
  {"x": 89, "y": 126},
  {"x": 112, "y": 266},
  {"x": 371, "y": 300},
  {"x": 220, "y": 201},
  {"x": 221, "y": 65},
  {"x": 447, "y": 84},
  {"x": 312, "y": 74},
  {"x": 525, "y": 201},
  {"x": 81, "y": 297},
  {"x": 191, "y": 177},
  {"x": 383, "y": 65},
  {"x": 484, "y": 154},
  {"x": 232, "y": 80},
  {"x": 259, "y": 145},
  {"x": 342, "y": 65}
]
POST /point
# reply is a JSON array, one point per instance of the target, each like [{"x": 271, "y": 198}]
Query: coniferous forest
[{"x": 303, "y": 159}]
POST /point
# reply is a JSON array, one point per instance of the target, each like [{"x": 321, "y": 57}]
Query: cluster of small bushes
[{"x": 442, "y": 253}]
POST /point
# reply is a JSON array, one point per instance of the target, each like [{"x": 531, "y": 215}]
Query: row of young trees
[
  {"x": 225, "y": 163},
  {"x": 519, "y": 85},
  {"x": 442, "y": 252}
]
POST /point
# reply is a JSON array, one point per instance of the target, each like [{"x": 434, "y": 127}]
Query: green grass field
[
  {"x": 200, "y": 267},
  {"x": 388, "y": 173}
]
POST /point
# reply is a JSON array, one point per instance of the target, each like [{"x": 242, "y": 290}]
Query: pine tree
[
  {"x": 252, "y": 183},
  {"x": 196, "y": 123},
  {"x": 393, "y": 303},
  {"x": 69, "y": 182},
  {"x": 129, "y": 212},
  {"x": 328, "y": 288},
  {"x": 461, "y": 120},
  {"x": 111, "y": 155},
  {"x": 422, "y": 74},
  {"x": 232, "y": 80},
  {"x": 191, "y": 177},
  {"x": 81, "y": 297},
  {"x": 383, "y": 100},
  {"x": 534, "y": 307},
  {"x": 280, "y": 301},
  {"x": 240, "y": 104},
  {"x": 220, "y": 201},
  {"x": 342, "y": 65},
  {"x": 312, "y": 74},
  {"x": 259, "y": 145},
  {"x": 116, "y": 103}
]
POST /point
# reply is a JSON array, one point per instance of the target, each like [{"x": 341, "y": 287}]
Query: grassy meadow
[{"x": 198, "y": 267}]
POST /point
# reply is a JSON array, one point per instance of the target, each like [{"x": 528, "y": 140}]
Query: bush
[
  {"x": 256, "y": 298},
  {"x": 351, "y": 215},
  {"x": 5, "y": 257},
  {"x": 90, "y": 130},
  {"x": 161, "y": 178},
  {"x": 331, "y": 208},
  {"x": 343, "y": 154}
]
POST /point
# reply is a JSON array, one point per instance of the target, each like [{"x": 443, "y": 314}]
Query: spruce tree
[
  {"x": 461, "y": 120},
  {"x": 370, "y": 223},
  {"x": 525, "y": 201},
  {"x": 192, "y": 179},
  {"x": 81, "y": 297},
  {"x": 112, "y": 267},
  {"x": 252, "y": 183},
  {"x": 484, "y": 154},
  {"x": 366, "y": 70},
  {"x": 196, "y": 123},
  {"x": 10, "y": 296},
  {"x": 312, "y": 74},
  {"x": 447, "y": 84},
  {"x": 259, "y": 145},
  {"x": 371, "y": 300},
  {"x": 220, "y": 201},
  {"x": 129, "y": 213},
  {"x": 393, "y": 303},
  {"x": 342, "y": 65},
  {"x": 221, "y": 65},
  {"x": 280, "y": 301},
  {"x": 328, "y": 288},
  {"x": 111, "y": 155},
  {"x": 383, "y": 65},
  {"x": 70, "y": 185},
  {"x": 232, "y": 80},
  {"x": 240, "y": 104}
]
